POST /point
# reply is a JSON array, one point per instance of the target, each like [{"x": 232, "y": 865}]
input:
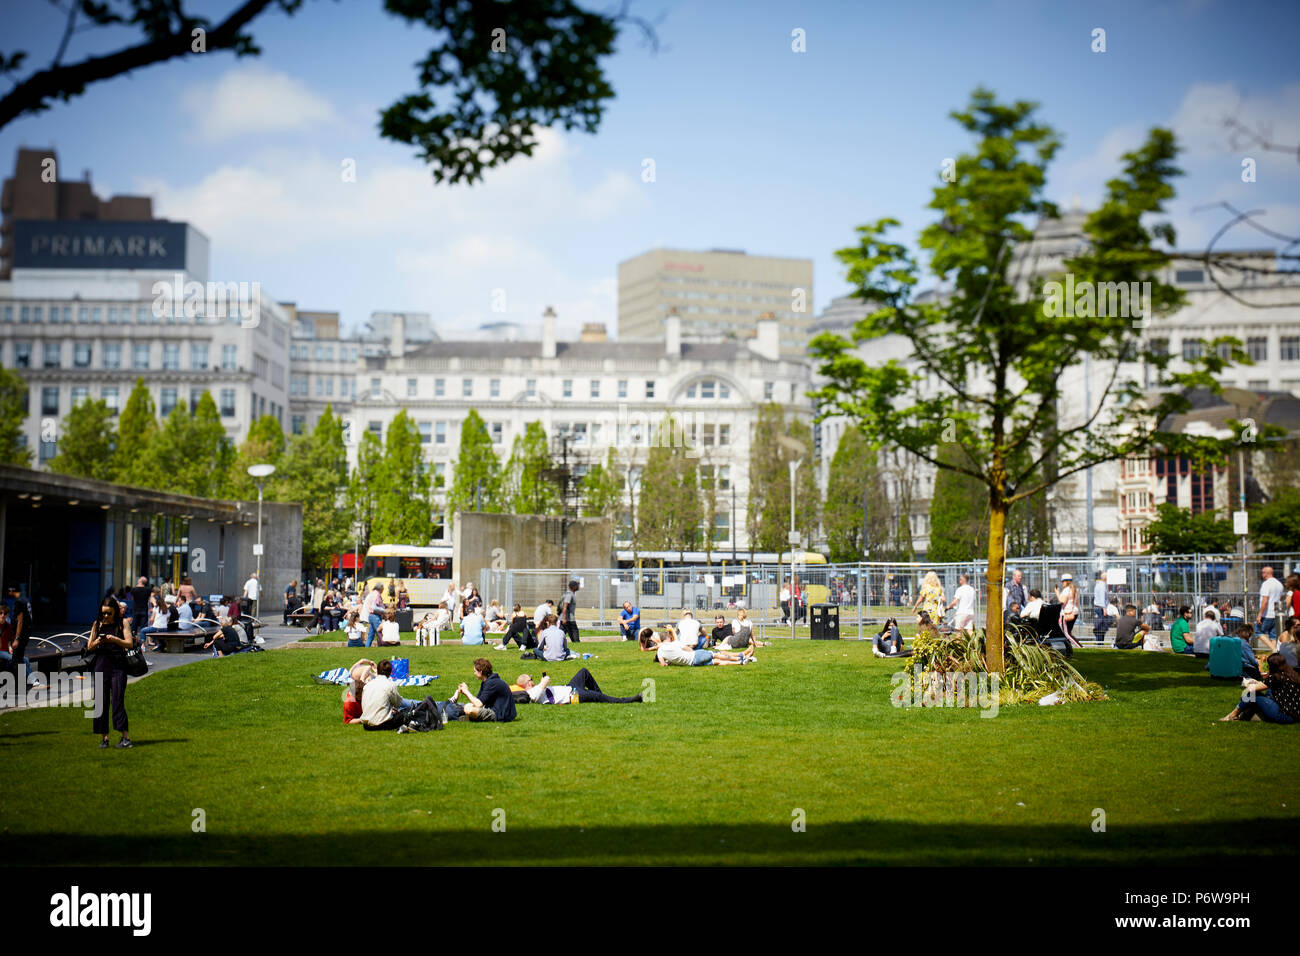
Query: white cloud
[{"x": 253, "y": 99}]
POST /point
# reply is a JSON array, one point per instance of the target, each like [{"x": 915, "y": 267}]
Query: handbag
[{"x": 135, "y": 663}]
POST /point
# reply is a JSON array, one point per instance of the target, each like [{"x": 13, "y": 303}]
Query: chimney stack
[
  {"x": 548, "y": 333},
  {"x": 767, "y": 337},
  {"x": 397, "y": 336},
  {"x": 673, "y": 333}
]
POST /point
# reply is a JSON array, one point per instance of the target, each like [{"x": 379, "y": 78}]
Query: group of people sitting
[
  {"x": 373, "y": 698},
  {"x": 687, "y": 644},
  {"x": 159, "y": 611}
]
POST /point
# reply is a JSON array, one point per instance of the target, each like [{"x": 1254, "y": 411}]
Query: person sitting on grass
[
  {"x": 1208, "y": 629},
  {"x": 689, "y": 631},
  {"x": 889, "y": 642},
  {"x": 629, "y": 621},
  {"x": 1181, "y": 631},
  {"x": 743, "y": 626},
  {"x": 471, "y": 626},
  {"x": 1127, "y": 629},
  {"x": 671, "y": 650},
  {"x": 552, "y": 644},
  {"x": 361, "y": 672},
  {"x": 1249, "y": 666},
  {"x": 1288, "y": 642},
  {"x": 494, "y": 618},
  {"x": 729, "y": 637},
  {"x": 1273, "y": 698},
  {"x": 494, "y": 702},
  {"x": 389, "y": 635},
  {"x": 382, "y": 705},
  {"x": 582, "y": 688},
  {"x": 517, "y": 631},
  {"x": 354, "y": 629}
]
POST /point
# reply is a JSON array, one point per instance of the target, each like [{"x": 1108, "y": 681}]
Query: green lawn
[{"x": 713, "y": 771}]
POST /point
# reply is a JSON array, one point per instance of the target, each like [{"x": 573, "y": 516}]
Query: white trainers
[
  {"x": 499, "y": 647},
  {"x": 259, "y": 640}
]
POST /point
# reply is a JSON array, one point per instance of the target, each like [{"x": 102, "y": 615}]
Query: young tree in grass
[
  {"x": 768, "y": 509},
  {"x": 315, "y": 467},
  {"x": 528, "y": 487},
  {"x": 669, "y": 501},
  {"x": 476, "y": 474},
  {"x": 136, "y": 428},
  {"x": 854, "y": 499},
  {"x": 403, "y": 513},
  {"x": 601, "y": 490},
  {"x": 363, "y": 485},
  {"x": 86, "y": 445},
  {"x": 13, "y": 413},
  {"x": 1176, "y": 530},
  {"x": 995, "y": 352}
]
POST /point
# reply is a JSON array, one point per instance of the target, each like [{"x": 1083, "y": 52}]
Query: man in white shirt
[
  {"x": 689, "y": 631},
  {"x": 581, "y": 689},
  {"x": 679, "y": 653},
  {"x": 252, "y": 588},
  {"x": 785, "y": 605},
  {"x": 963, "y": 600},
  {"x": 1270, "y": 596},
  {"x": 1207, "y": 629},
  {"x": 382, "y": 705},
  {"x": 544, "y": 609}
]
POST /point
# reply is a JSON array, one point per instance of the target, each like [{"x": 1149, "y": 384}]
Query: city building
[
  {"x": 597, "y": 393},
  {"x": 719, "y": 294}
]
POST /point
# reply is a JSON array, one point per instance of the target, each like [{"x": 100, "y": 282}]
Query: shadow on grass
[{"x": 859, "y": 842}]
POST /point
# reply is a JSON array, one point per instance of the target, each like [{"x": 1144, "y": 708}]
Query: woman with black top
[
  {"x": 1275, "y": 699},
  {"x": 111, "y": 638}
]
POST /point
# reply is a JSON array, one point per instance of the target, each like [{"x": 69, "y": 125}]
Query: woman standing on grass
[
  {"x": 930, "y": 601},
  {"x": 111, "y": 638}
]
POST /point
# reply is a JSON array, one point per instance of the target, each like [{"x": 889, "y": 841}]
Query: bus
[
  {"x": 734, "y": 576},
  {"x": 424, "y": 570}
]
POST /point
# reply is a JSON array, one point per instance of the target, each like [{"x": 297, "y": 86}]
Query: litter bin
[
  {"x": 825, "y": 622},
  {"x": 405, "y": 620}
]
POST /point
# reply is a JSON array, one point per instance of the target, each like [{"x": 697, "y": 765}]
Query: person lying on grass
[
  {"x": 582, "y": 688},
  {"x": 670, "y": 650},
  {"x": 1274, "y": 699},
  {"x": 382, "y": 705}
]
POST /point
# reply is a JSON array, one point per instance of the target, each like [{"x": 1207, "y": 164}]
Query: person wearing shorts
[
  {"x": 963, "y": 600},
  {"x": 670, "y": 651}
]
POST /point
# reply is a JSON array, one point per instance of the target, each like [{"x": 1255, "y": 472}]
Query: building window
[
  {"x": 196, "y": 395},
  {"x": 9, "y": 313},
  {"x": 794, "y": 391},
  {"x": 38, "y": 313},
  {"x": 79, "y": 394},
  {"x": 1290, "y": 348},
  {"x": 228, "y": 402},
  {"x": 22, "y": 355},
  {"x": 466, "y": 388},
  {"x": 1257, "y": 348},
  {"x": 412, "y": 387},
  {"x": 595, "y": 388},
  {"x": 692, "y": 390},
  {"x": 171, "y": 356},
  {"x": 439, "y": 475},
  {"x": 426, "y": 432},
  {"x": 25, "y": 314},
  {"x": 109, "y": 396},
  {"x": 112, "y": 355},
  {"x": 649, "y": 388},
  {"x": 140, "y": 355},
  {"x": 494, "y": 388},
  {"x": 1192, "y": 349},
  {"x": 374, "y": 388},
  {"x": 724, "y": 434},
  {"x": 50, "y": 400},
  {"x": 768, "y": 389},
  {"x": 530, "y": 388},
  {"x": 375, "y": 428},
  {"x": 295, "y": 424},
  {"x": 96, "y": 314},
  {"x": 52, "y": 354},
  {"x": 167, "y": 402},
  {"x": 320, "y": 386},
  {"x": 496, "y": 433},
  {"x": 622, "y": 388},
  {"x": 329, "y": 388},
  {"x": 229, "y": 358},
  {"x": 566, "y": 389},
  {"x": 48, "y": 450},
  {"x": 707, "y": 438},
  {"x": 199, "y": 357},
  {"x": 1189, "y": 276},
  {"x": 81, "y": 354},
  {"x": 440, "y": 433},
  {"x": 439, "y": 387},
  {"x": 708, "y": 388}
]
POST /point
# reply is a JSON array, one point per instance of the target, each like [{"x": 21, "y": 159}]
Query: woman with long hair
[
  {"x": 110, "y": 639},
  {"x": 930, "y": 601},
  {"x": 1274, "y": 699}
]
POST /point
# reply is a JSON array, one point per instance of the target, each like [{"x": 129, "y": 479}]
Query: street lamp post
[
  {"x": 260, "y": 473},
  {"x": 794, "y": 541}
]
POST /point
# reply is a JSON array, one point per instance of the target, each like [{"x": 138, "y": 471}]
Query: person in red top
[{"x": 1291, "y": 603}]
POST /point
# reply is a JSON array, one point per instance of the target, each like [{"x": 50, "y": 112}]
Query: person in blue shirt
[
  {"x": 629, "y": 621},
  {"x": 471, "y": 628}
]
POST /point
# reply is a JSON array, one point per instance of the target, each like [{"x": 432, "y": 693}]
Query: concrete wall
[{"x": 528, "y": 541}]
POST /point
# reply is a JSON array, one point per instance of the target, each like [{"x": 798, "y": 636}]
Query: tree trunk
[{"x": 996, "y": 574}]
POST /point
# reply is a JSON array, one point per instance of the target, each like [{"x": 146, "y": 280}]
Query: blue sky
[{"x": 755, "y": 146}]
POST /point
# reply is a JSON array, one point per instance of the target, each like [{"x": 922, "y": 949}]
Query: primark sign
[{"x": 95, "y": 244}]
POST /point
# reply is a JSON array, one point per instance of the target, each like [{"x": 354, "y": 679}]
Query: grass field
[{"x": 715, "y": 770}]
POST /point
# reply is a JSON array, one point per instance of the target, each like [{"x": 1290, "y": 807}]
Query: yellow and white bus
[{"x": 424, "y": 570}]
